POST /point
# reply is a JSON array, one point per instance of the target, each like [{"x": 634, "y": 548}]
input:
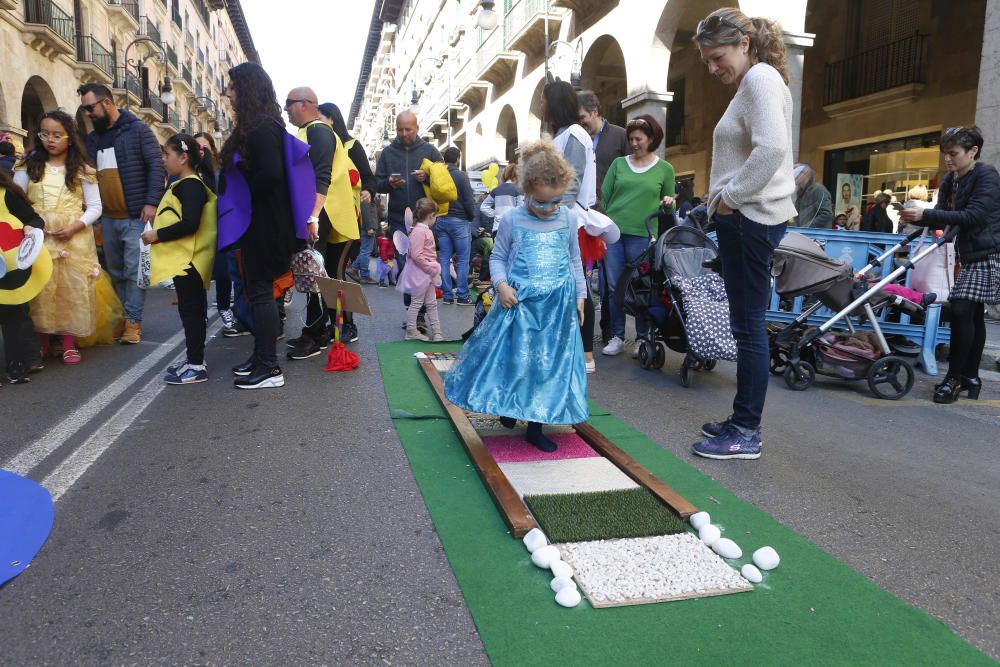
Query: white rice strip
[
  {"x": 642, "y": 570},
  {"x": 566, "y": 476}
]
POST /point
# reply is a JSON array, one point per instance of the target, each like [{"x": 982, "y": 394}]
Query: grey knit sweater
[{"x": 752, "y": 150}]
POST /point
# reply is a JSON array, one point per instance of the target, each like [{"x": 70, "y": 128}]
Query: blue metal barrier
[{"x": 857, "y": 248}]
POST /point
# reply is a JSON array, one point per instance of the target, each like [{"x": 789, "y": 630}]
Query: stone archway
[
  {"x": 604, "y": 72},
  {"x": 36, "y": 98},
  {"x": 533, "y": 127},
  {"x": 507, "y": 138}
]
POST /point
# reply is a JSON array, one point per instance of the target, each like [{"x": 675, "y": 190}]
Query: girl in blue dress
[{"x": 525, "y": 360}]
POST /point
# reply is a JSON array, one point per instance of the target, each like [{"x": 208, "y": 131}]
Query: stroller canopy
[
  {"x": 801, "y": 267},
  {"x": 681, "y": 252}
]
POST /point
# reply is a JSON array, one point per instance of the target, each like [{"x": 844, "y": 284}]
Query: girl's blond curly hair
[{"x": 541, "y": 164}]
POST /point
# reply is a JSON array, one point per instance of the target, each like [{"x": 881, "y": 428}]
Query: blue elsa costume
[{"x": 526, "y": 362}]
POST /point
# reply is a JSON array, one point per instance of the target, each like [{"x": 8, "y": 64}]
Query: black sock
[
  {"x": 538, "y": 439},
  {"x": 508, "y": 422}
]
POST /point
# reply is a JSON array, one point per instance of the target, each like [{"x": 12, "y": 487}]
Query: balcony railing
[
  {"x": 152, "y": 101},
  {"x": 171, "y": 56},
  {"x": 198, "y": 90},
  {"x": 147, "y": 29},
  {"x": 201, "y": 56},
  {"x": 131, "y": 6},
  {"x": 519, "y": 14},
  {"x": 186, "y": 74},
  {"x": 89, "y": 50},
  {"x": 176, "y": 16},
  {"x": 189, "y": 40},
  {"x": 123, "y": 79},
  {"x": 46, "y": 12},
  {"x": 884, "y": 67}
]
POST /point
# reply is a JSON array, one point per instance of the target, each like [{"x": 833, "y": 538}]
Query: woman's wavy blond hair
[
  {"x": 541, "y": 164},
  {"x": 727, "y": 26}
]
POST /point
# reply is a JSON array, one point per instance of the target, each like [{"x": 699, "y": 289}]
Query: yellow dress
[{"x": 68, "y": 303}]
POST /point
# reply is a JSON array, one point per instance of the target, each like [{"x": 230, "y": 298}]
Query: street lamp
[
  {"x": 575, "y": 74},
  {"x": 156, "y": 53},
  {"x": 204, "y": 102},
  {"x": 487, "y": 18}
]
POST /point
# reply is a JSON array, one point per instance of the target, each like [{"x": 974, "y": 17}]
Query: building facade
[
  {"x": 134, "y": 47},
  {"x": 873, "y": 81}
]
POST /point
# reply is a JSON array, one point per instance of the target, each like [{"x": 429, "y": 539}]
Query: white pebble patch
[{"x": 650, "y": 569}]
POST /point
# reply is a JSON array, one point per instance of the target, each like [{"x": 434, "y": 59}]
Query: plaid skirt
[{"x": 979, "y": 281}]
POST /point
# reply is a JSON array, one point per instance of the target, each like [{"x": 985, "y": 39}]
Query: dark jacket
[
  {"x": 612, "y": 144},
  {"x": 269, "y": 242},
  {"x": 876, "y": 220},
  {"x": 399, "y": 159},
  {"x": 815, "y": 207},
  {"x": 140, "y": 161},
  {"x": 463, "y": 208},
  {"x": 7, "y": 163},
  {"x": 976, "y": 212}
]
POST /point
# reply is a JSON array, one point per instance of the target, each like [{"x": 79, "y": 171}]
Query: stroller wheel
[
  {"x": 890, "y": 378},
  {"x": 660, "y": 356},
  {"x": 799, "y": 375},
  {"x": 710, "y": 364},
  {"x": 646, "y": 354},
  {"x": 779, "y": 360},
  {"x": 685, "y": 374}
]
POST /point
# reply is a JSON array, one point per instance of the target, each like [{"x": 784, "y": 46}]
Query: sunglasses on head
[{"x": 713, "y": 23}]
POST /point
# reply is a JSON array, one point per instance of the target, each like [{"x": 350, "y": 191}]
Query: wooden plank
[
  {"x": 633, "y": 469},
  {"x": 515, "y": 513}
]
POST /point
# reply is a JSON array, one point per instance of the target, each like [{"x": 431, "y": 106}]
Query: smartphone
[{"x": 395, "y": 176}]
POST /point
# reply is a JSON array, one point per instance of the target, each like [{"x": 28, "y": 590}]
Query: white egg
[
  {"x": 561, "y": 568},
  {"x": 709, "y": 534},
  {"x": 766, "y": 558},
  {"x": 535, "y": 540},
  {"x": 568, "y": 596},
  {"x": 726, "y": 548},
  {"x": 545, "y": 556},
  {"x": 560, "y": 583},
  {"x": 699, "y": 519},
  {"x": 752, "y": 574}
]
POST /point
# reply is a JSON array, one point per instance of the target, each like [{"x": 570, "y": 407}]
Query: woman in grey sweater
[{"x": 750, "y": 199}]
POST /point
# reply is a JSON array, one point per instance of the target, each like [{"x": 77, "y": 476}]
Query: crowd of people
[{"x": 547, "y": 245}]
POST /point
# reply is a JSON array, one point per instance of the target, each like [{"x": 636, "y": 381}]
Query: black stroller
[
  {"x": 670, "y": 288},
  {"x": 799, "y": 352}
]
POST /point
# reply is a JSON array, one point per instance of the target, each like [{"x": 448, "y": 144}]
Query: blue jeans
[
  {"x": 745, "y": 250},
  {"x": 121, "y": 252},
  {"x": 625, "y": 251},
  {"x": 454, "y": 237},
  {"x": 361, "y": 263}
]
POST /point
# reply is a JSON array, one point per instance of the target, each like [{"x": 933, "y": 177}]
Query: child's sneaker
[
  {"x": 437, "y": 337},
  {"x": 730, "y": 444},
  {"x": 414, "y": 334},
  {"x": 713, "y": 429},
  {"x": 464, "y": 301},
  {"x": 228, "y": 319},
  {"x": 187, "y": 374},
  {"x": 383, "y": 283}
]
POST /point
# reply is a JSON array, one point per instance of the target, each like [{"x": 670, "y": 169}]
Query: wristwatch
[{"x": 312, "y": 220}]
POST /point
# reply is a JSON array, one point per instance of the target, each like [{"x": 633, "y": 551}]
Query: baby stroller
[
  {"x": 799, "y": 352},
  {"x": 682, "y": 301}
]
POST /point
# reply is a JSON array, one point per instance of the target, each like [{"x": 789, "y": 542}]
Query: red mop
[{"x": 339, "y": 358}]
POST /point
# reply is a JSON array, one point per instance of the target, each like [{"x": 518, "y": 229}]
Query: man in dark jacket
[
  {"x": 397, "y": 169},
  {"x": 454, "y": 233},
  {"x": 812, "y": 200},
  {"x": 610, "y": 142},
  {"x": 130, "y": 175}
]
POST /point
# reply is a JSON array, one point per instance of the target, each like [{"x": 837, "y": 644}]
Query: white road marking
[
  {"x": 39, "y": 450},
  {"x": 60, "y": 480}
]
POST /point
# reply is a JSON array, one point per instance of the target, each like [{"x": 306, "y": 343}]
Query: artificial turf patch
[{"x": 605, "y": 515}]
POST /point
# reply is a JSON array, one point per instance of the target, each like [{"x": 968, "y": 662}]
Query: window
[
  {"x": 882, "y": 22},
  {"x": 675, "y": 114}
]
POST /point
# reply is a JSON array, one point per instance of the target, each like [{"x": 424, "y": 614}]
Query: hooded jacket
[
  {"x": 139, "y": 160},
  {"x": 399, "y": 159}
]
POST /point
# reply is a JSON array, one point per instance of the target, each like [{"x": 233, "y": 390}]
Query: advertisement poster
[{"x": 847, "y": 199}]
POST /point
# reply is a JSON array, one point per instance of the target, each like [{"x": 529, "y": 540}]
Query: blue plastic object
[{"x": 26, "y": 515}]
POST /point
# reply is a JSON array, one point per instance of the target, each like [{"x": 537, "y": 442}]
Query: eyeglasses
[
  {"x": 54, "y": 136},
  {"x": 90, "y": 107},
  {"x": 290, "y": 102},
  {"x": 712, "y": 24}
]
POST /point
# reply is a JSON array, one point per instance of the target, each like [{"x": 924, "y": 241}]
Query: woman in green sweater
[{"x": 635, "y": 186}]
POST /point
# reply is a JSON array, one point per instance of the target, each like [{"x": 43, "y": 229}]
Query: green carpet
[
  {"x": 812, "y": 610},
  {"x": 604, "y": 515}
]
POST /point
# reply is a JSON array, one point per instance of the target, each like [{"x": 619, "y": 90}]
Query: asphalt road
[{"x": 202, "y": 525}]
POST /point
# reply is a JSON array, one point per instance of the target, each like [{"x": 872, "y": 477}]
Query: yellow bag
[{"x": 440, "y": 186}]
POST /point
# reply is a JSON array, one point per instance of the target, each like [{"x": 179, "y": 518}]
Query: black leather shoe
[
  {"x": 263, "y": 378},
  {"x": 245, "y": 369},
  {"x": 948, "y": 391},
  {"x": 973, "y": 386}
]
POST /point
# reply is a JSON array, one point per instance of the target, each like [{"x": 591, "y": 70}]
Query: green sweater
[{"x": 629, "y": 197}]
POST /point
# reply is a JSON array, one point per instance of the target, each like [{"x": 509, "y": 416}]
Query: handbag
[
  {"x": 307, "y": 266},
  {"x": 936, "y": 272}
]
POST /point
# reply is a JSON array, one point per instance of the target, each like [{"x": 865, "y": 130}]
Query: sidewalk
[{"x": 991, "y": 353}]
